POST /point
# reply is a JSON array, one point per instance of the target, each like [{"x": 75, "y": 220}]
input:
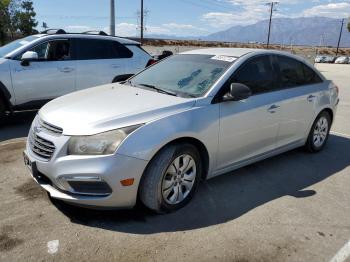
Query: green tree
[
  {"x": 24, "y": 19},
  {"x": 2, "y": 23},
  {"x": 16, "y": 16}
]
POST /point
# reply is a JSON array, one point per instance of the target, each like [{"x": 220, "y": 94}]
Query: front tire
[
  {"x": 319, "y": 133},
  {"x": 2, "y": 109},
  {"x": 171, "y": 178}
]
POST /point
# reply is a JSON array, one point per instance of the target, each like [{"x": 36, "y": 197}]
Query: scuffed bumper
[{"x": 112, "y": 169}]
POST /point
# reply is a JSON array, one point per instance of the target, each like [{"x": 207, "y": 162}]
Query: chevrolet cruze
[{"x": 190, "y": 117}]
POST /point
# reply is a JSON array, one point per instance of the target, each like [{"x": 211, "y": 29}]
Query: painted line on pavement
[
  {"x": 342, "y": 254},
  {"x": 339, "y": 134}
]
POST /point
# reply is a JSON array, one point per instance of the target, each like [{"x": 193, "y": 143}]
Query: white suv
[{"x": 38, "y": 68}]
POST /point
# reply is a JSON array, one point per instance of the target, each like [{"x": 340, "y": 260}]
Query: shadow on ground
[
  {"x": 229, "y": 196},
  {"x": 16, "y": 126}
]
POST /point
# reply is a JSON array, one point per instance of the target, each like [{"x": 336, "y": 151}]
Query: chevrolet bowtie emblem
[{"x": 37, "y": 129}]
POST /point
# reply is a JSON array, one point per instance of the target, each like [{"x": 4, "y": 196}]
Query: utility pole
[
  {"x": 141, "y": 38},
  {"x": 341, "y": 31},
  {"x": 272, "y": 4},
  {"x": 112, "y": 17}
]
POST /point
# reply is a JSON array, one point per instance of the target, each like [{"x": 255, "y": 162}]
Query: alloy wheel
[
  {"x": 320, "y": 132},
  {"x": 179, "y": 179}
]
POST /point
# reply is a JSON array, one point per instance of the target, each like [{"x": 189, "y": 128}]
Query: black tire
[
  {"x": 150, "y": 191},
  {"x": 310, "y": 145},
  {"x": 2, "y": 110}
]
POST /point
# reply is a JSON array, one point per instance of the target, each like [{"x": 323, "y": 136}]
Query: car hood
[{"x": 109, "y": 107}]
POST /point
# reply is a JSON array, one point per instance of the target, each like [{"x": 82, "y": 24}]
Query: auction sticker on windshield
[{"x": 224, "y": 58}]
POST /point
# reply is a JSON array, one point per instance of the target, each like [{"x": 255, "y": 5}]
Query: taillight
[{"x": 151, "y": 62}]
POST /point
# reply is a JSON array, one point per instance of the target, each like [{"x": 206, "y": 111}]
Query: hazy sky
[{"x": 176, "y": 17}]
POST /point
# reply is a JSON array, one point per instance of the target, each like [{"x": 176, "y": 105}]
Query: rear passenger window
[
  {"x": 257, "y": 74},
  {"x": 92, "y": 49},
  {"x": 310, "y": 76},
  {"x": 294, "y": 73}
]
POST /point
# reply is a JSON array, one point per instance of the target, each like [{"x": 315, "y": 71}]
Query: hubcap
[
  {"x": 179, "y": 179},
  {"x": 320, "y": 132}
]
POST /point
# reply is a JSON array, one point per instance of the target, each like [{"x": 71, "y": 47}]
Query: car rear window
[{"x": 93, "y": 49}]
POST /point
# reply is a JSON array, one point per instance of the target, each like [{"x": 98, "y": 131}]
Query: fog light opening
[{"x": 86, "y": 185}]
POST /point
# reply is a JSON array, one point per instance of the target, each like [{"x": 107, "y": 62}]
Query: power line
[{"x": 83, "y": 17}]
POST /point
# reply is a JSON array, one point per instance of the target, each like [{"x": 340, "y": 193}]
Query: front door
[
  {"x": 248, "y": 128},
  {"x": 51, "y": 76}
]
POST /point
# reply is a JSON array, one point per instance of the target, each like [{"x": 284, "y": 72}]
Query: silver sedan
[{"x": 190, "y": 117}]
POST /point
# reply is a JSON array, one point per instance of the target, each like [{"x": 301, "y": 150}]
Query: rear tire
[
  {"x": 171, "y": 178},
  {"x": 319, "y": 133}
]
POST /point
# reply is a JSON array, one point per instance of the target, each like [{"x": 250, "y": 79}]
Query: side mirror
[
  {"x": 28, "y": 57},
  {"x": 237, "y": 92}
]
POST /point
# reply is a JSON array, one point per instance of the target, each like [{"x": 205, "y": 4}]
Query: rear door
[
  {"x": 99, "y": 61},
  {"x": 299, "y": 90},
  {"x": 51, "y": 76}
]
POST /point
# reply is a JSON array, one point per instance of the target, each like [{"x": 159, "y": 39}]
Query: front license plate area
[{"x": 31, "y": 166}]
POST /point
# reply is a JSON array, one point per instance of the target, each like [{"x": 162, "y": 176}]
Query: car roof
[
  {"x": 236, "y": 52},
  {"x": 121, "y": 40}
]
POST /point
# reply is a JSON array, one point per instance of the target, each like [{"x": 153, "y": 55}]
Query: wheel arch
[
  {"x": 202, "y": 150},
  {"x": 5, "y": 96},
  {"x": 329, "y": 111}
]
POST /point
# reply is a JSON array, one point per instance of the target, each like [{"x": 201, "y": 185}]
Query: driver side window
[
  {"x": 58, "y": 50},
  {"x": 257, "y": 74}
]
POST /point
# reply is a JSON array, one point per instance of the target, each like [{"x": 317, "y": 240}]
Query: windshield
[
  {"x": 190, "y": 75},
  {"x": 4, "y": 50}
]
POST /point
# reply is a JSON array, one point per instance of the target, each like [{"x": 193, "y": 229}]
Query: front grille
[
  {"x": 40, "y": 146},
  {"x": 50, "y": 128}
]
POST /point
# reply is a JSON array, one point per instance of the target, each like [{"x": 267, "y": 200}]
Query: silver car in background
[{"x": 190, "y": 117}]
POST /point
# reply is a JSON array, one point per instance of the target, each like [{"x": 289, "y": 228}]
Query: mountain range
[{"x": 297, "y": 31}]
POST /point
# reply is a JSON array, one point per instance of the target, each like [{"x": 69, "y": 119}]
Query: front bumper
[{"x": 110, "y": 168}]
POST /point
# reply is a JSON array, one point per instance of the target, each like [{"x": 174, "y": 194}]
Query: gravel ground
[{"x": 293, "y": 207}]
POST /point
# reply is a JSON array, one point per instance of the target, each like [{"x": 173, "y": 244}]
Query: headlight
[{"x": 100, "y": 144}]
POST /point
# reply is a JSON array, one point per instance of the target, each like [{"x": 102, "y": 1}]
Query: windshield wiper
[{"x": 159, "y": 89}]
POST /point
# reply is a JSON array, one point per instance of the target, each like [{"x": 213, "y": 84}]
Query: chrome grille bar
[
  {"x": 51, "y": 128},
  {"x": 40, "y": 146}
]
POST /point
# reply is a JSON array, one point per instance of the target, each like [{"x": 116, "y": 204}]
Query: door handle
[
  {"x": 66, "y": 69},
  {"x": 115, "y": 66},
  {"x": 272, "y": 109},
  {"x": 310, "y": 98}
]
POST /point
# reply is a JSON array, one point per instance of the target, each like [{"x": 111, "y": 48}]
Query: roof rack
[
  {"x": 95, "y": 32},
  {"x": 54, "y": 31}
]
